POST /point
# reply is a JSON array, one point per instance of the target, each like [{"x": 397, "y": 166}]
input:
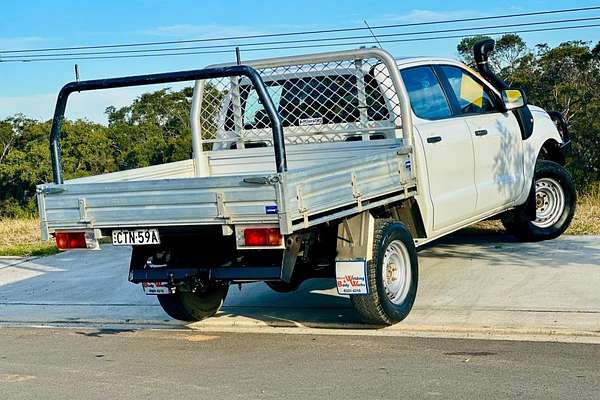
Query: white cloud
[
  {"x": 21, "y": 42},
  {"x": 88, "y": 105},
  {"x": 37, "y": 106},
  {"x": 202, "y": 31},
  {"x": 418, "y": 15}
]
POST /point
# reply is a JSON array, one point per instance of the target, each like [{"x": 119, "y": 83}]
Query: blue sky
[{"x": 31, "y": 88}]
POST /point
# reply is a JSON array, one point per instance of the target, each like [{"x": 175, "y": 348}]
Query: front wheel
[
  {"x": 555, "y": 200},
  {"x": 392, "y": 276},
  {"x": 194, "y": 306}
]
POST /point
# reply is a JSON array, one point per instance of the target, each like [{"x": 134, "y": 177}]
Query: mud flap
[
  {"x": 290, "y": 254},
  {"x": 355, "y": 237},
  {"x": 351, "y": 277}
]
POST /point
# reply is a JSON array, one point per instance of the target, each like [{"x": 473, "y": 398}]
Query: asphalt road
[{"x": 142, "y": 364}]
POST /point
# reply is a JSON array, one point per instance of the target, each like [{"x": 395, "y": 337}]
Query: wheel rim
[
  {"x": 549, "y": 202},
  {"x": 396, "y": 272}
]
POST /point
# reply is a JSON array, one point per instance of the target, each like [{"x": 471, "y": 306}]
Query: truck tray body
[
  {"x": 295, "y": 141},
  {"x": 295, "y": 199}
]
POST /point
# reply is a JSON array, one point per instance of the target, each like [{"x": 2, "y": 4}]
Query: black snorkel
[{"x": 481, "y": 50}]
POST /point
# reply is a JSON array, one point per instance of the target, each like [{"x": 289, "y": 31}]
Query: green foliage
[
  {"x": 155, "y": 129},
  {"x": 565, "y": 78},
  {"x": 509, "y": 49}
]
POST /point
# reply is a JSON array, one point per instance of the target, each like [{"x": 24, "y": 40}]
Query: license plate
[
  {"x": 151, "y": 288},
  {"x": 135, "y": 237}
]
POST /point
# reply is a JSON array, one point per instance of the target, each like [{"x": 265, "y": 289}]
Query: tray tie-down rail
[{"x": 168, "y": 77}]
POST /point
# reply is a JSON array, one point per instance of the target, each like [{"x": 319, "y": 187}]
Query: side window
[
  {"x": 426, "y": 96},
  {"x": 472, "y": 96},
  {"x": 253, "y": 105}
]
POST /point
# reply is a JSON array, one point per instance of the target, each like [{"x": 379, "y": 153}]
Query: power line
[
  {"x": 309, "y": 45},
  {"x": 230, "y": 47},
  {"x": 322, "y": 31}
]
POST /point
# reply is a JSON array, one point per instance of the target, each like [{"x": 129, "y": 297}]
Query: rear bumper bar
[{"x": 175, "y": 275}]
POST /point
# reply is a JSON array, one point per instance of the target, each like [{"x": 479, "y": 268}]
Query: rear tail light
[
  {"x": 254, "y": 236},
  {"x": 76, "y": 240},
  {"x": 262, "y": 237}
]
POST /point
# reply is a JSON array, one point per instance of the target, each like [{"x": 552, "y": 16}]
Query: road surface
[{"x": 142, "y": 364}]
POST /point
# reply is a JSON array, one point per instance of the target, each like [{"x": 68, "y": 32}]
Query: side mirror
[{"x": 513, "y": 99}]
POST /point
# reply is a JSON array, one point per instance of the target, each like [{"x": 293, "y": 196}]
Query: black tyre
[
  {"x": 194, "y": 306},
  {"x": 283, "y": 287},
  {"x": 392, "y": 276},
  {"x": 555, "y": 200}
]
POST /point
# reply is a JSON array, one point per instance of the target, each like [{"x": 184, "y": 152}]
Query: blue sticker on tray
[{"x": 271, "y": 209}]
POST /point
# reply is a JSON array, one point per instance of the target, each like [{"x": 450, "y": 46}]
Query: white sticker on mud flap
[{"x": 351, "y": 277}]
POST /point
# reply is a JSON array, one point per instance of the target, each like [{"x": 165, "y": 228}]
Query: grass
[
  {"x": 587, "y": 215},
  {"x": 21, "y": 237}
]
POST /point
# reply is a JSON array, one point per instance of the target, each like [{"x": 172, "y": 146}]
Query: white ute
[{"x": 333, "y": 165}]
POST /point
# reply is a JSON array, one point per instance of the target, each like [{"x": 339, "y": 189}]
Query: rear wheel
[
  {"x": 392, "y": 276},
  {"x": 555, "y": 200},
  {"x": 194, "y": 306}
]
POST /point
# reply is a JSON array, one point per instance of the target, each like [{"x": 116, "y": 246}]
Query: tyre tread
[
  {"x": 518, "y": 224},
  {"x": 370, "y": 306}
]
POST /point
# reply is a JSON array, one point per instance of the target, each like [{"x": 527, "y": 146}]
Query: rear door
[
  {"x": 448, "y": 148},
  {"x": 496, "y": 138}
]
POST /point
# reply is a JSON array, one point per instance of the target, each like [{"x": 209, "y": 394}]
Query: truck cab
[{"x": 464, "y": 131}]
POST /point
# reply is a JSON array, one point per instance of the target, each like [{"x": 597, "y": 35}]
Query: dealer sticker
[
  {"x": 151, "y": 288},
  {"x": 310, "y": 121},
  {"x": 351, "y": 277}
]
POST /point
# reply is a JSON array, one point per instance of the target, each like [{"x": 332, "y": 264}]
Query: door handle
[
  {"x": 434, "y": 139},
  {"x": 481, "y": 132}
]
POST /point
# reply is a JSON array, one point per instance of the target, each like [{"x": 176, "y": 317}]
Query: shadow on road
[
  {"x": 496, "y": 250},
  {"x": 315, "y": 304}
]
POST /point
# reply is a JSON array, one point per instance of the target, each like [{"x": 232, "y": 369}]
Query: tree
[
  {"x": 153, "y": 130},
  {"x": 509, "y": 51},
  {"x": 24, "y": 165},
  {"x": 86, "y": 150},
  {"x": 10, "y": 130}
]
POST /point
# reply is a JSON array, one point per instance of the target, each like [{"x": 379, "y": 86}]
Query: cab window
[
  {"x": 472, "y": 97},
  {"x": 427, "y": 98}
]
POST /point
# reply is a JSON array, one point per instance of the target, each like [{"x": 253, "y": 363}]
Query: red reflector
[
  {"x": 70, "y": 240},
  {"x": 262, "y": 237}
]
